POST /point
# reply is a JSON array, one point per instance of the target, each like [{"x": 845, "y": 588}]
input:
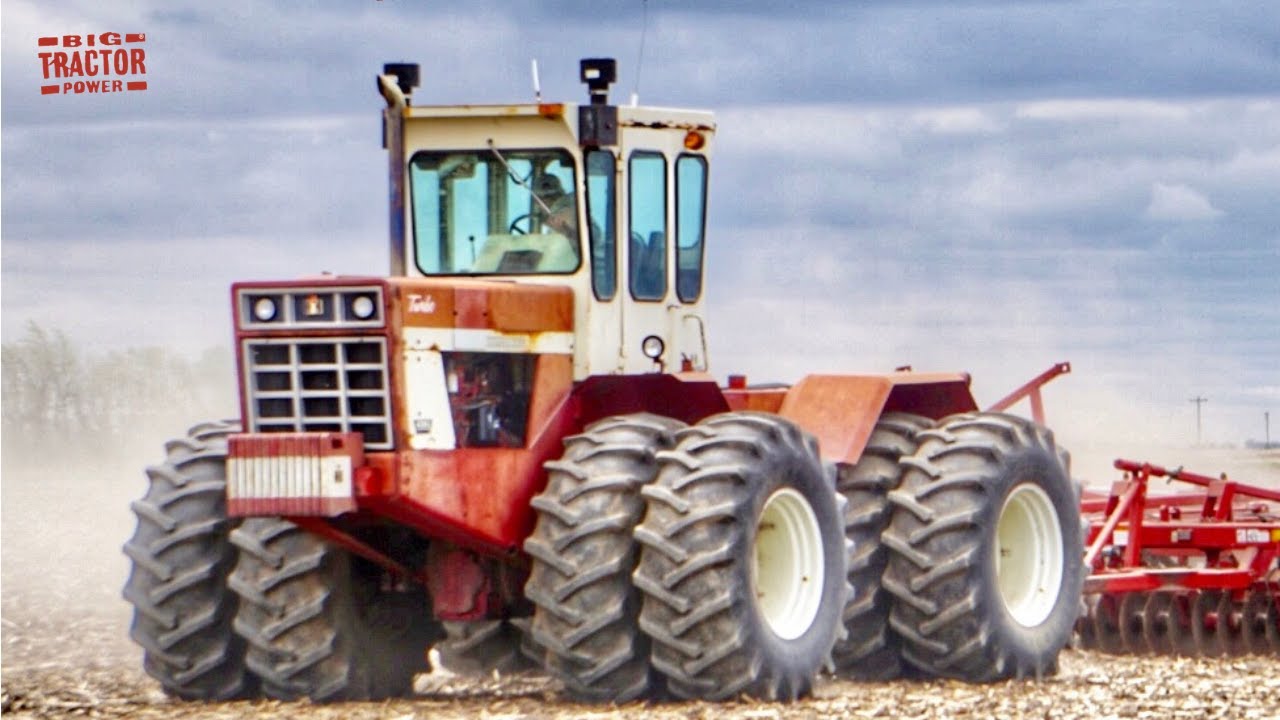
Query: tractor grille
[{"x": 329, "y": 384}]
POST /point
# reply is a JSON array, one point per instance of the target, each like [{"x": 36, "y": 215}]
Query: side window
[
  {"x": 691, "y": 223},
  {"x": 647, "y": 231},
  {"x": 602, "y": 223},
  {"x": 450, "y": 209}
]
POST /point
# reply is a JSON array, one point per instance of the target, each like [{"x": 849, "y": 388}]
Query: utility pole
[
  {"x": 1198, "y": 401},
  {"x": 1266, "y": 418}
]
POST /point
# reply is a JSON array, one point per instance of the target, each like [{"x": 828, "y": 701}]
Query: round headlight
[
  {"x": 362, "y": 307},
  {"x": 264, "y": 309},
  {"x": 652, "y": 347}
]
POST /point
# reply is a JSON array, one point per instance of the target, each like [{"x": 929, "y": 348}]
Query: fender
[{"x": 842, "y": 410}]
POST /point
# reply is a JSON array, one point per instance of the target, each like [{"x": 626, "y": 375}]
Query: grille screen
[{"x": 335, "y": 384}]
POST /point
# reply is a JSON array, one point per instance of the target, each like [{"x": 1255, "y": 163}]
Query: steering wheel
[{"x": 514, "y": 228}]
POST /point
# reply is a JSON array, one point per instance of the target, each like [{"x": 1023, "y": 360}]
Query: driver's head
[{"x": 548, "y": 188}]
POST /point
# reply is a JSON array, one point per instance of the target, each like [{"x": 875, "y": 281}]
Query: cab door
[{"x": 645, "y": 245}]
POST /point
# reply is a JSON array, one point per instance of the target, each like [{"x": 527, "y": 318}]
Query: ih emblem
[{"x": 314, "y": 306}]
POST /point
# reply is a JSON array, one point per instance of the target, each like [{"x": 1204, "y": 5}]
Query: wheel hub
[
  {"x": 789, "y": 564},
  {"x": 1029, "y": 563}
]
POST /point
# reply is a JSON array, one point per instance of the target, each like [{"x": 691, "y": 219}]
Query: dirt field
[{"x": 66, "y": 651}]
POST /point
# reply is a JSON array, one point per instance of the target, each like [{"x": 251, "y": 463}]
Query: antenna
[
  {"x": 537, "y": 86},
  {"x": 644, "y": 27}
]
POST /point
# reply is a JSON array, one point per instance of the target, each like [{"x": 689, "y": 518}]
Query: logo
[
  {"x": 93, "y": 63},
  {"x": 421, "y": 304}
]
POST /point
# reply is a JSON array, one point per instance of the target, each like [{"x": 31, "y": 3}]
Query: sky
[{"x": 981, "y": 186}]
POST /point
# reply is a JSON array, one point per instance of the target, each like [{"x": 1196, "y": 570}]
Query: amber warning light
[{"x": 104, "y": 63}]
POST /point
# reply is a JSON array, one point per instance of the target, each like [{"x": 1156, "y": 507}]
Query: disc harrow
[{"x": 1195, "y": 573}]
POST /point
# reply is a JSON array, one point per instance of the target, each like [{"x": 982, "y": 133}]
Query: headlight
[
  {"x": 362, "y": 307},
  {"x": 264, "y": 309},
  {"x": 652, "y": 347}
]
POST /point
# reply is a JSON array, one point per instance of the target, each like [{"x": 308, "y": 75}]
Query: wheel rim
[
  {"x": 1029, "y": 564},
  {"x": 788, "y": 575}
]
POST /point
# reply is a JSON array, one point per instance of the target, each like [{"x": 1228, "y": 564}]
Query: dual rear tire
[{"x": 985, "y": 562}]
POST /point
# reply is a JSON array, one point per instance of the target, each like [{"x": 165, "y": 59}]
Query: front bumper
[{"x": 293, "y": 474}]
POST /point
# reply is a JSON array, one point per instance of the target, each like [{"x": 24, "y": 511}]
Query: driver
[{"x": 560, "y": 214}]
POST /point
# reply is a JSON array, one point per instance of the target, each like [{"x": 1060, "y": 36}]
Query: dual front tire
[
  {"x": 696, "y": 562},
  {"x": 225, "y": 609}
]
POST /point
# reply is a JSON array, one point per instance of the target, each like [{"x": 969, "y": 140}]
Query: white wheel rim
[
  {"x": 1029, "y": 561},
  {"x": 788, "y": 571}
]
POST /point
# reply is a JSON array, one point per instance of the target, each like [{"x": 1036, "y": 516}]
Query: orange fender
[{"x": 841, "y": 410}]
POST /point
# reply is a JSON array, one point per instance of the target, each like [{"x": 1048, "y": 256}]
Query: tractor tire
[
  {"x": 482, "y": 647},
  {"x": 181, "y": 556},
  {"x": 869, "y": 651},
  {"x": 586, "y": 610},
  {"x": 985, "y": 550},
  {"x": 744, "y": 560},
  {"x": 317, "y": 623}
]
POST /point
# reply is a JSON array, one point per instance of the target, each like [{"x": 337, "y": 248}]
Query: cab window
[
  {"x": 494, "y": 212},
  {"x": 647, "y": 225},
  {"x": 691, "y": 221},
  {"x": 601, "y": 169}
]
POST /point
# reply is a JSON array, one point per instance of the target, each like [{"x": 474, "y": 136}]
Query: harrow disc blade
[
  {"x": 1230, "y": 625},
  {"x": 1106, "y": 624},
  {"x": 1132, "y": 622},
  {"x": 1087, "y": 638},
  {"x": 1206, "y": 626},
  {"x": 1261, "y": 622},
  {"x": 1160, "y": 623},
  {"x": 1273, "y": 624},
  {"x": 1181, "y": 621}
]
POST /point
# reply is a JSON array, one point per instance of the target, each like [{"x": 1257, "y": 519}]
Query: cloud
[
  {"x": 1179, "y": 203},
  {"x": 984, "y": 186}
]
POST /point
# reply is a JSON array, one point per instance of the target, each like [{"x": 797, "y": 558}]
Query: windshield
[{"x": 494, "y": 212}]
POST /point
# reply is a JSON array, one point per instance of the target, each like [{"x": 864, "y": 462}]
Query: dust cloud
[
  {"x": 64, "y": 521},
  {"x": 65, "y": 513}
]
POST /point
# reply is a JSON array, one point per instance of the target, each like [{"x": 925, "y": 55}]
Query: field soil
[{"x": 65, "y": 652}]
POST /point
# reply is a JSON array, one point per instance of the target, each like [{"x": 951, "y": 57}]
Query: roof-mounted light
[
  {"x": 406, "y": 74},
  {"x": 598, "y": 74}
]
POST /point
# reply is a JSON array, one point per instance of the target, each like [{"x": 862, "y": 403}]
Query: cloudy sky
[{"x": 987, "y": 186}]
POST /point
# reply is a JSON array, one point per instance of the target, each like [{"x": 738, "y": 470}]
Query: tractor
[{"x": 509, "y": 454}]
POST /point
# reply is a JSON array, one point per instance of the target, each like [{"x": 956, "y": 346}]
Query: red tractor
[{"x": 510, "y": 450}]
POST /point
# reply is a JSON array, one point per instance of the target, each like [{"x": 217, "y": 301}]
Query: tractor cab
[{"x": 608, "y": 201}]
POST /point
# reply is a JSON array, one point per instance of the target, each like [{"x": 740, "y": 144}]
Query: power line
[{"x": 1198, "y": 401}]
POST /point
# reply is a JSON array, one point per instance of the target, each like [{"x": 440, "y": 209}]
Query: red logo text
[{"x": 102, "y": 63}]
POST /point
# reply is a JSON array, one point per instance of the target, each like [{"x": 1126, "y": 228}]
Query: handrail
[{"x": 1031, "y": 389}]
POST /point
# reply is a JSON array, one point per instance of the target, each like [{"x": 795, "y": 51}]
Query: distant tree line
[{"x": 58, "y": 399}]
